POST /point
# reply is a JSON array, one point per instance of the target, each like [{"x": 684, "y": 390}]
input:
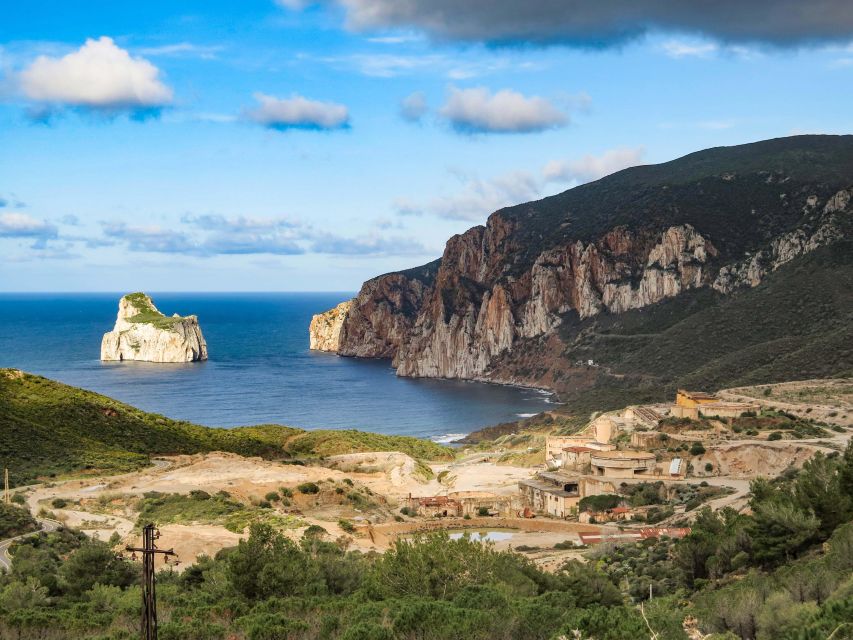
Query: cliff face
[
  {"x": 722, "y": 219},
  {"x": 142, "y": 333},
  {"x": 325, "y": 329}
]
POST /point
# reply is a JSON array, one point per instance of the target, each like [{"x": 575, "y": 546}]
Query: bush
[
  {"x": 709, "y": 467},
  {"x": 287, "y": 493},
  {"x": 346, "y": 525},
  {"x": 483, "y": 511},
  {"x": 308, "y": 488},
  {"x": 697, "y": 449},
  {"x": 407, "y": 512},
  {"x": 59, "y": 503},
  {"x": 272, "y": 496},
  {"x": 19, "y": 498},
  {"x": 775, "y": 436}
]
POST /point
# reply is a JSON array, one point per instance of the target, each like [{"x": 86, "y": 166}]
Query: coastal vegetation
[
  {"x": 49, "y": 429},
  {"x": 781, "y": 572},
  {"x": 148, "y": 313}
]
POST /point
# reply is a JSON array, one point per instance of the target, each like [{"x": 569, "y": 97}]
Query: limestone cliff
[
  {"x": 143, "y": 333},
  {"x": 720, "y": 220},
  {"x": 325, "y": 329}
]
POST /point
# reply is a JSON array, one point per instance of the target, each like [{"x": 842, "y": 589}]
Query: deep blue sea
[{"x": 260, "y": 368}]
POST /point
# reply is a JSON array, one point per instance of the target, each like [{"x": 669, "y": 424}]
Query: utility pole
[
  {"x": 149, "y": 551},
  {"x": 6, "y": 498}
]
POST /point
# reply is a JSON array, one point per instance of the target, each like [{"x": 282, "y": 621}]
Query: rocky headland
[
  {"x": 508, "y": 301},
  {"x": 325, "y": 328},
  {"x": 143, "y": 333}
]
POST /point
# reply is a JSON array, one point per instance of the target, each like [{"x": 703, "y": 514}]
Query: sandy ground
[
  {"x": 389, "y": 474},
  {"x": 394, "y": 476}
]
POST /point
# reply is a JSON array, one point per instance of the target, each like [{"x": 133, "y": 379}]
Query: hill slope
[
  {"x": 48, "y": 428},
  {"x": 523, "y": 298}
]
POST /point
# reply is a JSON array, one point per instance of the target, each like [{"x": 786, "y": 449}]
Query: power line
[{"x": 149, "y": 551}]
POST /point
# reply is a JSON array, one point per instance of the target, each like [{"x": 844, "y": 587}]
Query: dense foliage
[
  {"x": 270, "y": 587},
  {"x": 15, "y": 520},
  {"x": 48, "y": 428},
  {"x": 785, "y": 572}
]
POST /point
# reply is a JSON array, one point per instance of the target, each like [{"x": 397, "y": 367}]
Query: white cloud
[
  {"x": 186, "y": 49},
  {"x": 477, "y": 198},
  {"x": 414, "y": 106},
  {"x": 21, "y": 225},
  {"x": 297, "y": 112},
  {"x": 98, "y": 76},
  {"x": 479, "y": 111},
  {"x": 592, "y": 167},
  {"x": 682, "y": 49}
]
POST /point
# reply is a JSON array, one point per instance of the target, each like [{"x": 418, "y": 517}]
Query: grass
[
  {"x": 49, "y": 429},
  {"x": 200, "y": 508},
  {"x": 148, "y": 314}
]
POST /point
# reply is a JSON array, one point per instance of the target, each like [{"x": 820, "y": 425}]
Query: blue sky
[{"x": 267, "y": 145}]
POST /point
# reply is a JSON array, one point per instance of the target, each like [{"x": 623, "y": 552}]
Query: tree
[
  {"x": 94, "y": 563},
  {"x": 818, "y": 488},
  {"x": 779, "y": 529}
]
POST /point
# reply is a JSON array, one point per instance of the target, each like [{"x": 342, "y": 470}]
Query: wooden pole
[
  {"x": 149, "y": 594},
  {"x": 6, "y": 497}
]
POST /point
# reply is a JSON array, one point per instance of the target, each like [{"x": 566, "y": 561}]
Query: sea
[{"x": 260, "y": 369}]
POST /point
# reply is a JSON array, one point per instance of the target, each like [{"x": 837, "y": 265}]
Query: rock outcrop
[
  {"x": 325, "y": 329},
  {"x": 715, "y": 219},
  {"x": 143, "y": 333}
]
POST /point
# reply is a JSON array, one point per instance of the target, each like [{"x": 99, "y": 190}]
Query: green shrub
[
  {"x": 482, "y": 511},
  {"x": 709, "y": 467},
  {"x": 19, "y": 498},
  {"x": 696, "y": 449},
  {"x": 346, "y": 525},
  {"x": 59, "y": 503},
  {"x": 776, "y": 435},
  {"x": 308, "y": 488},
  {"x": 272, "y": 496}
]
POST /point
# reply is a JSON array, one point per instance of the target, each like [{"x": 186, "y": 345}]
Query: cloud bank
[
  {"x": 583, "y": 23},
  {"x": 99, "y": 76},
  {"x": 297, "y": 112},
  {"x": 479, "y": 111},
  {"x": 592, "y": 167}
]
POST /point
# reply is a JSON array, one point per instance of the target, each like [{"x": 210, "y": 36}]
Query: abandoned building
[
  {"x": 462, "y": 503},
  {"x": 696, "y": 404},
  {"x": 622, "y": 464},
  {"x": 551, "y": 493}
]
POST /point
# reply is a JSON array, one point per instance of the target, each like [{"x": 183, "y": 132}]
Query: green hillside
[
  {"x": 795, "y": 325},
  {"x": 48, "y": 428}
]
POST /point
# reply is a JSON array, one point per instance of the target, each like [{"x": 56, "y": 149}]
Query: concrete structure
[
  {"x": 576, "y": 459},
  {"x": 695, "y": 404},
  {"x": 622, "y": 464},
  {"x": 644, "y": 417},
  {"x": 558, "y": 498},
  {"x": 647, "y": 439},
  {"x": 462, "y": 503}
]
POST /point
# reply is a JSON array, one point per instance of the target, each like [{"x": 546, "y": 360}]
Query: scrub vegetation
[{"x": 49, "y": 429}]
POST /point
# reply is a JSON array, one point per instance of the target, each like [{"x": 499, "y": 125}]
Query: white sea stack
[{"x": 143, "y": 333}]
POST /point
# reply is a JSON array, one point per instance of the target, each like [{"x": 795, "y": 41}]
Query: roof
[
  {"x": 619, "y": 510},
  {"x": 434, "y": 501},
  {"x": 625, "y": 455},
  {"x": 551, "y": 489},
  {"x": 557, "y": 477},
  {"x": 577, "y": 449},
  {"x": 698, "y": 395}
]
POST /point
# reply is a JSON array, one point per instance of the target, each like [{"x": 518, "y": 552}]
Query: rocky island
[{"x": 143, "y": 333}]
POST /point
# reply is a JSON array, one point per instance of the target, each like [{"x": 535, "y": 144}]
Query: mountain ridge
[{"x": 724, "y": 218}]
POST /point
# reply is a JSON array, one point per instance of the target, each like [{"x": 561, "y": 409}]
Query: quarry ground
[{"x": 103, "y": 506}]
